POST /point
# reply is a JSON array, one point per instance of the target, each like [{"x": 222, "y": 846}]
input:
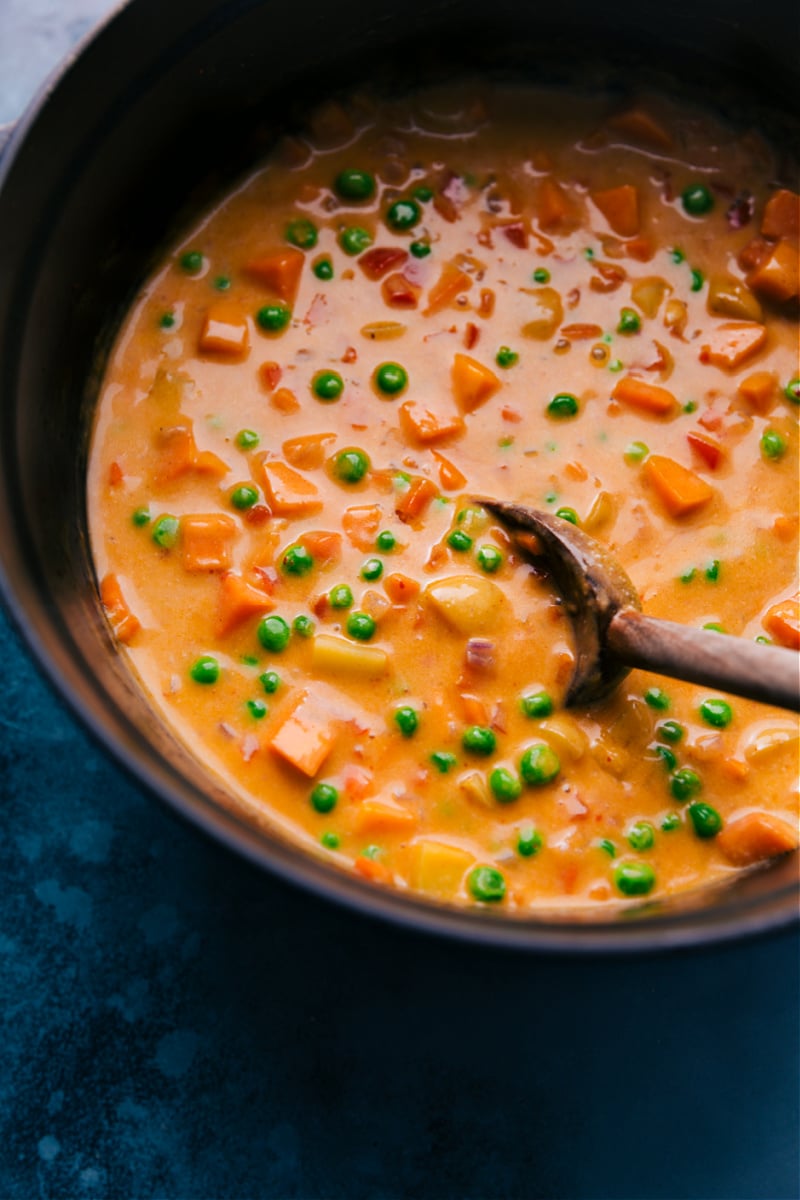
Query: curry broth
[{"x": 548, "y": 253}]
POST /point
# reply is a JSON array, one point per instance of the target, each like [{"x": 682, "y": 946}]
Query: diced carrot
[
  {"x": 610, "y": 276},
  {"x": 680, "y": 490},
  {"x": 778, "y": 276},
  {"x": 361, "y": 525},
  {"x": 782, "y": 621},
  {"x": 115, "y": 475},
  {"x": 581, "y": 331},
  {"x": 639, "y": 248},
  {"x": 308, "y": 451},
  {"x": 781, "y": 215},
  {"x": 370, "y": 868},
  {"x": 643, "y": 128},
  {"x": 473, "y": 383},
  {"x": 413, "y": 503},
  {"x": 176, "y": 452},
  {"x": 620, "y": 207},
  {"x": 398, "y": 292},
  {"x": 517, "y": 234},
  {"x": 383, "y": 815},
  {"x": 380, "y": 259},
  {"x": 322, "y": 545},
  {"x": 400, "y": 588},
  {"x": 473, "y": 710},
  {"x": 288, "y": 493},
  {"x": 239, "y": 600},
  {"x": 647, "y": 397},
  {"x": 732, "y": 343},
  {"x": 420, "y": 423},
  {"x": 486, "y": 306},
  {"x": 207, "y": 542},
  {"x": 120, "y": 617},
  {"x": 710, "y": 451},
  {"x": 553, "y": 209},
  {"x": 786, "y": 528},
  {"x": 269, "y": 375},
  {"x": 754, "y": 254},
  {"x": 759, "y": 390},
  {"x": 576, "y": 470},
  {"x": 471, "y": 335},
  {"x": 451, "y": 283},
  {"x": 306, "y": 735},
  {"x": 357, "y": 781},
  {"x": 285, "y": 400},
  {"x": 208, "y": 463},
  {"x": 451, "y": 479},
  {"x": 280, "y": 271},
  {"x": 754, "y": 837},
  {"x": 224, "y": 331}
]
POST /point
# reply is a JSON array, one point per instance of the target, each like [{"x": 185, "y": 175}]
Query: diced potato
[
  {"x": 767, "y": 739},
  {"x": 438, "y": 869},
  {"x": 602, "y": 512},
  {"x": 306, "y": 735},
  {"x": 468, "y": 604},
  {"x": 729, "y": 297},
  {"x": 564, "y": 735},
  {"x": 336, "y": 656},
  {"x": 473, "y": 383},
  {"x": 778, "y": 277},
  {"x": 546, "y": 315},
  {"x": 383, "y": 815},
  {"x": 676, "y": 314},
  {"x": 475, "y": 788},
  {"x": 169, "y": 390},
  {"x": 647, "y": 294}
]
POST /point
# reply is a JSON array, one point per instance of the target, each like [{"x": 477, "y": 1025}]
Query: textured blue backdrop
[{"x": 179, "y": 1026}]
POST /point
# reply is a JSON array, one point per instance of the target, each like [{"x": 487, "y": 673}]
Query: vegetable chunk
[
  {"x": 754, "y": 837},
  {"x": 288, "y": 493},
  {"x": 679, "y": 489},
  {"x": 306, "y": 736},
  {"x": 473, "y": 383}
]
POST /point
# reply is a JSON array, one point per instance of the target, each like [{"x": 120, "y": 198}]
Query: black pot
[{"x": 127, "y": 140}]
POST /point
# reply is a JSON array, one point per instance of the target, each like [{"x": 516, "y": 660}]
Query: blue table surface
[{"x": 178, "y": 1025}]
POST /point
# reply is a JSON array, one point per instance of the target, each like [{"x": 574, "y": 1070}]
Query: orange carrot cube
[
  {"x": 781, "y": 215},
  {"x": 307, "y": 452},
  {"x": 754, "y": 837},
  {"x": 710, "y": 451},
  {"x": 288, "y": 493},
  {"x": 207, "y": 542},
  {"x": 759, "y": 390},
  {"x": 782, "y": 621},
  {"x": 643, "y": 128},
  {"x": 420, "y": 423},
  {"x": 778, "y": 276},
  {"x": 647, "y": 397},
  {"x": 450, "y": 478},
  {"x": 679, "y": 489},
  {"x": 306, "y": 735},
  {"x": 383, "y": 815},
  {"x": 620, "y": 207},
  {"x": 732, "y": 343},
  {"x": 279, "y": 271},
  {"x": 224, "y": 331},
  {"x": 413, "y": 503},
  {"x": 473, "y": 383},
  {"x": 553, "y": 208},
  {"x": 120, "y": 617},
  {"x": 400, "y": 588},
  {"x": 360, "y": 524},
  {"x": 238, "y": 601}
]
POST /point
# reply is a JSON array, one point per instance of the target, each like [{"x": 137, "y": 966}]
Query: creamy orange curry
[{"x": 588, "y": 308}]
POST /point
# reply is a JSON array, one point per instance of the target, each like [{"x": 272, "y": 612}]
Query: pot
[{"x": 116, "y": 151}]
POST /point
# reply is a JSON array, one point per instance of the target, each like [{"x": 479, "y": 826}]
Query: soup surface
[{"x": 472, "y": 291}]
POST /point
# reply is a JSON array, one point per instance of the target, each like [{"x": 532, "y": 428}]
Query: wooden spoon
[{"x": 612, "y": 634}]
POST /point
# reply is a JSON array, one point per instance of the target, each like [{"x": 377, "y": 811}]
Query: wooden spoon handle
[{"x": 767, "y": 673}]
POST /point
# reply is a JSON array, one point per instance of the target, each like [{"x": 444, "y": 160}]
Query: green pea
[
  {"x": 714, "y": 626},
  {"x": 677, "y": 255},
  {"x": 403, "y": 214},
  {"x": 717, "y": 713},
  {"x": 353, "y": 184},
  {"x": 539, "y": 765},
  {"x": 204, "y": 669},
  {"x": 666, "y": 755},
  {"x": 270, "y": 681},
  {"x": 697, "y": 200},
  {"x": 506, "y": 357},
  {"x": 341, "y": 596},
  {"x": 458, "y": 540},
  {"x": 406, "y": 719},
  {"x": 443, "y": 760},
  {"x": 636, "y": 451},
  {"x": 690, "y": 406},
  {"x": 372, "y": 569},
  {"x": 685, "y": 783},
  {"x": 773, "y": 445},
  {"x": 302, "y": 233},
  {"x": 247, "y": 439},
  {"x": 478, "y": 739},
  {"x": 505, "y": 786},
  {"x": 541, "y": 275},
  {"x": 221, "y": 284},
  {"x": 327, "y": 385},
  {"x": 608, "y": 847},
  {"x": 536, "y": 705},
  {"x": 351, "y": 465},
  {"x": 656, "y": 698},
  {"x": 386, "y": 541},
  {"x": 390, "y": 378},
  {"x": 330, "y": 841},
  {"x": 563, "y": 405},
  {"x": 616, "y": 364},
  {"x": 792, "y": 390},
  {"x": 629, "y": 321},
  {"x": 420, "y": 249},
  {"x": 192, "y": 262},
  {"x": 671, "y": 822},
  {"x": 529, "y": 842},
  {"x": 486, "y": 884},
  {"x": 303, "y": 626},
  {"x": 165, "y": 531},
  {"x": 355, "y": 240},
  {"x": 141, "y": 516},
  {"x": 167, "y": 320},
  {"x": 671, "y": 730},
  {"x": 423, "y": 193},
  {"x": 688, "y": 575},
  {"x": 297, "y": 560},
  {"x": 568, "y": 514},
  {"x": 706, "y": 820},
  {"x": 489, "y": 559},
  {"x": 244, "y": 496},
  {"x": 697, "y": 280},
  {"x": 274, "y": 634},
  {"x": 324, "y": 798},
  {"x": 634, "y": 879},
  {"x": 712, "y": 571},
  {"x": 257, "y": 709},
  {"x": 361, "y": 626},
  {"x": 273, "y": 318},
  {"x": 323, "y": 268},
  {"x": 588, "y": 253},
  {"x": 642, "y": 836},
  {"x": 249, "y": 660}
]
